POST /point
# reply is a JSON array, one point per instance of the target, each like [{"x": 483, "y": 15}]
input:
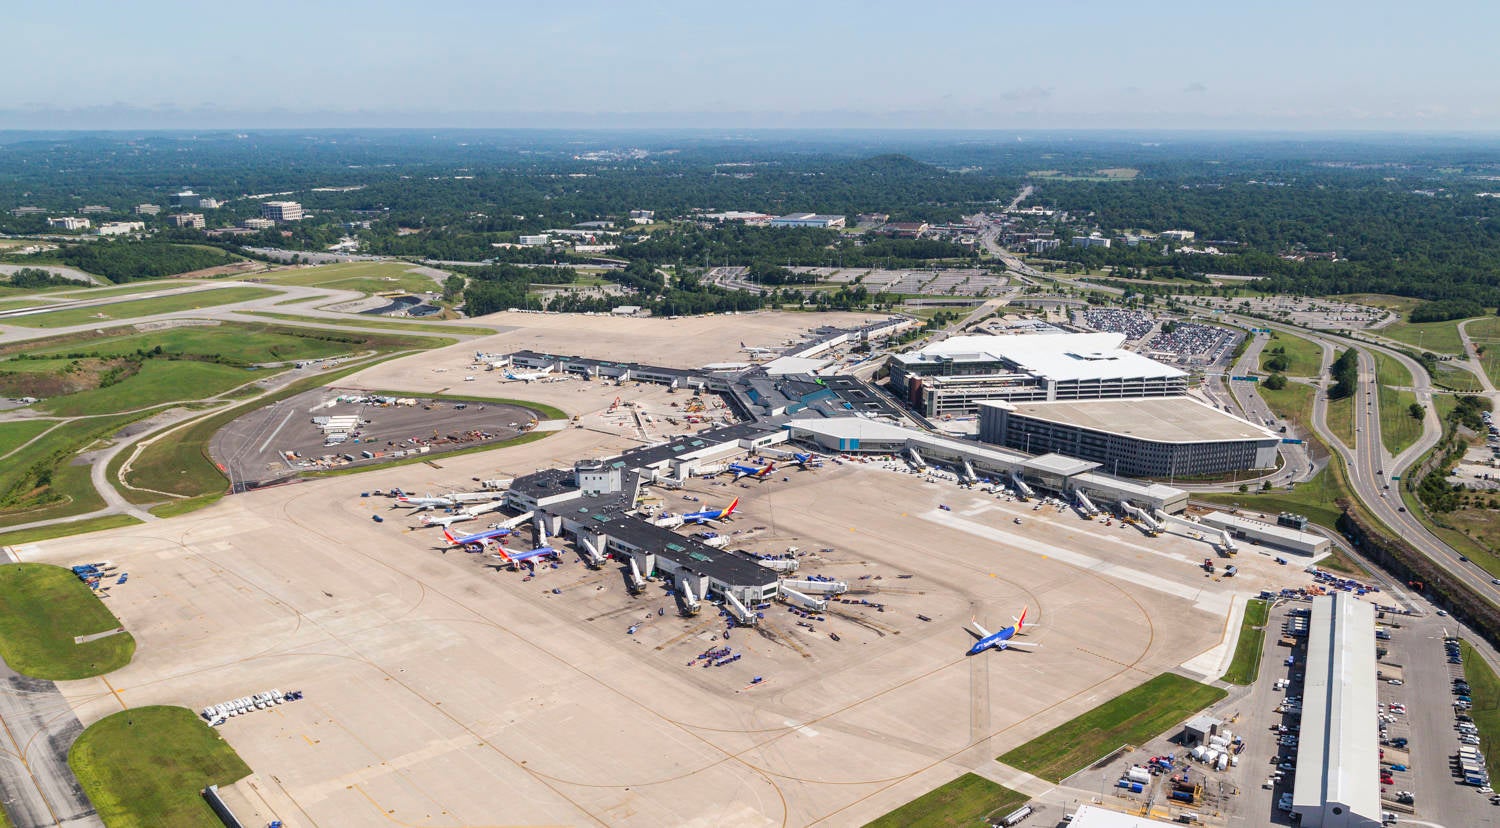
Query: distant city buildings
[
  {"x": 257, "y": 224},
  {"x": 27, "y": 211},
  {"x": 906, "y": 229},
  {"x": 1094, "y": 240},
  {"x": 534, "y": 241},
  {"x": 1177, "y": 235},
  {"x": 69, "y": 223},
  {"x": 642, "y": 216},
  {"x": 189, "y": 200},
  {"x": 93, "y": 209},
  {"x": 807, "y": 220},
  {"x": 193, "y": 220},
  {"x": 736, "y": 215},
  {"x": 281, "y": 211},
  {"x": 147, "y": 209},
  {"x": 120, "y": 228}
]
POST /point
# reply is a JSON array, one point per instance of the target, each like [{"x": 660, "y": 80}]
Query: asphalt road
[{"x": 38, "y": 729}]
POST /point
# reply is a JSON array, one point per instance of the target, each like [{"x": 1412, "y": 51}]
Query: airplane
[
  {"x": 707, "y": 515},
  {"x": 476, "y": 540},
  {"x": 758, "y": 472},
  {"x": 807, "y": 460},
  {"x": 422, "y": 504},
  {"x": 515, "y": 559},
  {"x": 446, "y": 520},
  {"x": 528, "y": 376},
  {"x": 751, "y": 349},
  {"x": 1000, "y": 640}
]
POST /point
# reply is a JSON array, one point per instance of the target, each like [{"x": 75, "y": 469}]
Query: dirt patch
[{"x": 79, "y": 375}]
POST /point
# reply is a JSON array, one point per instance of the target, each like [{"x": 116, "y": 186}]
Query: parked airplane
[
  {"x": 423, "y": 503},
  {"x": 758, "y": 472},
  {"x": 477, "y": 539},
  {"x": 446, "y": 520},
  {"x": 751, "y": 349},
  {"x": 515, "y": 559},
  {"x": 528, "y": 376},
  {"x": 807, "y": 460},
  {"x": 707, "y": 515},
  {"x": 1001, "y": 640}
]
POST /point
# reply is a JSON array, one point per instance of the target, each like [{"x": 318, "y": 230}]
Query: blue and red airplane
[
  {"x": 707, "y": 515},
  {"x": 477, "y": 539},
  {"x": 1001, "y": 640},
  {"x": 758, "y": 472}
]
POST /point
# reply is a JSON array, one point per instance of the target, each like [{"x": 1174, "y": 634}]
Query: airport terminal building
[
  {"x": 956, "y": 375},
  {"x": 1151, "y": 437}
]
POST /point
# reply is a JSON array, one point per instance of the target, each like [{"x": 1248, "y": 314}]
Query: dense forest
[{"x": 127, "y": 260}]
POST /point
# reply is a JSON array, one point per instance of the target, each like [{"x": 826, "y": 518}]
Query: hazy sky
[{"x": 722, "y": 63}]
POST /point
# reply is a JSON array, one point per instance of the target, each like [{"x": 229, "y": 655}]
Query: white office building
[
  {"x": 281, "y": 211},
  {"x": 807, "y": 220}
]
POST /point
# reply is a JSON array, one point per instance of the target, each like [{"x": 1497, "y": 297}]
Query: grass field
[
  {"x": 126, "y": 290},
  {"x": 1305, "y": 356},
  {"x": 365, "y": 277},
  {"x": 70, "y": 491},
  {"x": 17, "y": 304},
  {"x": 17, "y": 432},
  {"x": 380, "y": 324},
  {"x": 970, "y": 801},
  {"x": 1313, "y": 498},
  {"x": 1437, "y": 337},
  {"x": 1399, "y": 304},
  {"x": 1398, "y": 429},
  {"x": 42, "y": 607},
  {"x": 158, "y": 381},
  {"x": 1292, "y": 403},
  {"x": 241, "y": 344},
  {"x": 136, "y": 308},
  {"x": 1450, "y": 376},
  {"x": 1132, "y": 718},
  {"x": 1340, "y": 416},
  {"x": 1246, "y": 664},
  {"x": 63, "y": 530},
  {"x": 1485, "y": 687},
  {"x": 146, "y": 766}
]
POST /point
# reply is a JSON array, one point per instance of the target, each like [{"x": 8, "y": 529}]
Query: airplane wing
[
  {"x": 983, "y": 633},
  {"x": 1015, "y": 643}
]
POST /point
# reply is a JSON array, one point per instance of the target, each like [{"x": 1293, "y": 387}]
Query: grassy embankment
[
  {"x": 380, "y": 324},
  {"x": 62, "y": 530},
  {"x": 42, "y": 608},
  {"x": 1485, "y": 691},
  {"x": 136, "y": 308},
  {"x": 1246, "y": 664},
  {"x": 146, "y": 767},
  {"x": 1304, "y": 357},
  {"x": 1340, "y": 419},
  {"x": 966, "y": 802},
  {"x": 363, "y": 277},
  {"x": 1131, "y": 718},
  {"x": 1398, "y": 429}
]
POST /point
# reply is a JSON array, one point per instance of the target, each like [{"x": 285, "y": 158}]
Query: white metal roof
[
  {"x": 1158, "y": 419},
  {"x": 1061, "y": 357},
  {"x": 1339, "y": 755},
  {"x": 1093, "y": 816},
  {"x": 793, "y": 365}
]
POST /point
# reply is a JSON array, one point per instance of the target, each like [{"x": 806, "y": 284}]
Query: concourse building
[{"x": 1152, "y": 437}]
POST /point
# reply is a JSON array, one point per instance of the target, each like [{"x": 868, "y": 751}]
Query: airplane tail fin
[
  {"x": 735, "y": 504},
  {"x": 449, "y": 535},
  {"x": 1021, "y": 622}
]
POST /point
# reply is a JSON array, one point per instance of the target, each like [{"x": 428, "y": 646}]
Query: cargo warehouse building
[
  {"x": 1154, "y": 437},
  {"x": 1340, "y": 756},
  {"x": 954, "y": 376}
]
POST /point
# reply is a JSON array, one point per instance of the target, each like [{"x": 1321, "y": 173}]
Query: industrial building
[
  {"x": 1151, "y": 437},
  {"x": 281, "y": 211},
  {"x": 1093, "y": 816},
  {"x": 1052, "y": 473},
  {"x": 193, "y": 220},
  {"x": 1339, "y": 761},
  {"x": 1257, "y": 531},
  {"x": 955, "y": 375},
  {"x": 807, "y": 220},
  {"x": 690, "y": 563}
]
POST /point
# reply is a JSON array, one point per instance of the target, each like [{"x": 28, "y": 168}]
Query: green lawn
[
  {"x": 1292, "y": 403},
  {"x": 1132, "y": 718},
  {"x": 133, "y": 287},
  {"x": 242, "y": 344},
  {"x": 63, "y": 530},
  {"x": 380, "y": 324},
  {"x": 26, "y": 494},
  {"x": 158, "y": 381},
  {"x": 1437, "y": 337},
  {"x": 365, "y": 277},
  {"x": 136, "y": 308},
  {"x": 42, "y": 607},
  {"x": 1340, "y": 415},
  {"x": 147, "y": 766},
  {"x": 970, "y": 801},
  {"x": 16, "y": 432},
  {"x": 1246, "y": 664},
  {"x": 1399, "y": 304},
  {"x": 1398, "y": 429},
  {"x": 1450, "y": 376},
  {"x": 1305, "y": 356},
  {"x": 1314, "y": 499},
  {"x": 17, "y": 304},
  {"x": 1485, "y": 687}
]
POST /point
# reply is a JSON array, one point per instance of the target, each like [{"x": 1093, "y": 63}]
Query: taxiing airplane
[
  {"x": 758, "y": 472},
  {"x": 477, "y": 539},
  {"x": 1001, "y": 640},
  {"x": 707, "y": 515},
  {"x": 527, "y": 376}
]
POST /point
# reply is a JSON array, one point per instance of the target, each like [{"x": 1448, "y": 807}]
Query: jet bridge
[
  {"x": 916, "y": 459},
  {"x": 741, "y": 613},
  {"x": 1021, "y": 487},
  {"x": 792, "y": 596},
  {"x": 820, "y": 587},
  {"x": 1085, "y": 504},
  {"x": 1141, "y": 517},
  {"x": 591, "y": 556},
  {"x": 968, "y": 471}
]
